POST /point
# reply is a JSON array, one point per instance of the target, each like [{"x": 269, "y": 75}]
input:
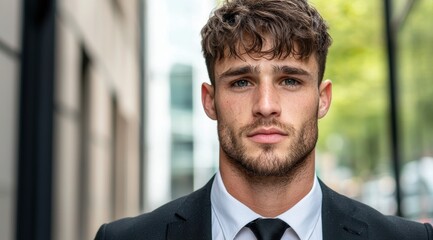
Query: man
[{"x": 266, "y": 60}]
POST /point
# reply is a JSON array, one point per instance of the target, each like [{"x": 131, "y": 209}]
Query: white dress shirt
[{"x": 229, "y": 216}]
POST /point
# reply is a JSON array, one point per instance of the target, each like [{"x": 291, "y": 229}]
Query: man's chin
[
  {"x": 266, "y": 161},
  {"x": 270, "y": 151}
]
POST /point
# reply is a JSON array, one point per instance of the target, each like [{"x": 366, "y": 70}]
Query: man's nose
[{"x": 266, "y": 101}]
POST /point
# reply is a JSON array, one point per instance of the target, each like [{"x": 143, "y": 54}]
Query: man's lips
[{"x": 267, "y": 135}]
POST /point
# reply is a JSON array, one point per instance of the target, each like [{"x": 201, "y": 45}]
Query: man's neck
[{"x": 268, "y": 196}]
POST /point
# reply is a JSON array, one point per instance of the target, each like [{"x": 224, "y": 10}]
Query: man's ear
[
  {"x": 208, "y": 100},
  {"x": 325, "y": 97}
]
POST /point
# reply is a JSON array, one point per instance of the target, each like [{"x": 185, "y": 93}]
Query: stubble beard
[{"x": 268, "y": 164}]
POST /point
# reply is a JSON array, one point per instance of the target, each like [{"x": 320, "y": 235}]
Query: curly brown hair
[{"x": 245, "y": 24}]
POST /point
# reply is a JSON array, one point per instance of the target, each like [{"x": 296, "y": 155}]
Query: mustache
[{"x": 266, "y": 122}]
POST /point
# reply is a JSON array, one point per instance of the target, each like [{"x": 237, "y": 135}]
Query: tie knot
[{"x": 268, "y": 228}]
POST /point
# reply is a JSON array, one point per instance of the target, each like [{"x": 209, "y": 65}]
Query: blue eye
[
  {"x": 241, "y": 83},
  {"x": 290, "y": 82}
]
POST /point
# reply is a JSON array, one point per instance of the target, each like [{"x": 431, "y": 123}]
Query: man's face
[{"x": 267, "y": 111}]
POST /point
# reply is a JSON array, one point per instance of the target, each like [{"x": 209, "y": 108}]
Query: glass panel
[
  {"x": 182, "y": 180},
  {"x": 181, "y": 87}
]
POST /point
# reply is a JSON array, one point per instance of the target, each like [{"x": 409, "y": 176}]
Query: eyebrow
[
  {"x": 290, "y": 70},
  {"x": 248, "y": 69},
  {"x": 237, "y": 71}
]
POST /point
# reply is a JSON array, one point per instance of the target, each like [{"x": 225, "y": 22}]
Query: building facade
[
  {"x": 10, "y": 49},
  {"x": 97, "y": 115},
  {"x": 70, "y": 116}
]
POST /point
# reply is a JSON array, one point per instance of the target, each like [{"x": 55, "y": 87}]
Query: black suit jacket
[{"x": 189, "y": 217}]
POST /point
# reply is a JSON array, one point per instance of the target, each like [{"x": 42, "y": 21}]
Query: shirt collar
[
  {"x": 233, "y": 215},
  {"x": 304, "y": 216}
]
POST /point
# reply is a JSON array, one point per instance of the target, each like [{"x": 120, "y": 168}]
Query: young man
[{"x": 265, "y": 60}]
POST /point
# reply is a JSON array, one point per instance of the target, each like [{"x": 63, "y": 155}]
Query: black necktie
[{"x": 268, "y": 228}]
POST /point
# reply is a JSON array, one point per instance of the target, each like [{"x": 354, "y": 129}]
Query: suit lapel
[
  {"x": 193, "y": 217},
  {"x": 338, "y": 217}
]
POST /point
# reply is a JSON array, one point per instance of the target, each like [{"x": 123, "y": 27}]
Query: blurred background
[{"x": 101, "y": 115}]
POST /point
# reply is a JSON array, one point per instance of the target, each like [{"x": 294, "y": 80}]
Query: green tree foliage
[
  {"x": 355, "y": 130},
  {"x": 416, "y": 81}
]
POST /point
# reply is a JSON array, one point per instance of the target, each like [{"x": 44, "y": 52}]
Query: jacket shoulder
[
  {"x": 378, "y": 225},
  {"x": 153, "y": 225},
  {"x": 397, "y": 227}
]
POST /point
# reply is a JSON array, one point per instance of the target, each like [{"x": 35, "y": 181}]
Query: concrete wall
[
  {"x": 10, "y": 25},
  {"x": 97, "y": 115}
]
